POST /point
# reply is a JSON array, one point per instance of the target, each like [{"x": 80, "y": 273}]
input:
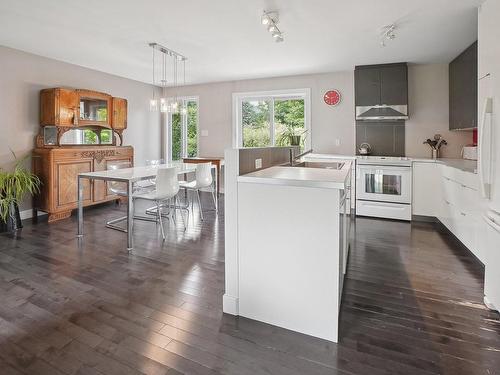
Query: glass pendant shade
[
  {"x": 153, "y": 105},
  {"x": 163, "y": 105}
]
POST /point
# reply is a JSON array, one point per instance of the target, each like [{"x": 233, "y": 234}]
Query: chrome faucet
[{"x": 293, "y": 158}]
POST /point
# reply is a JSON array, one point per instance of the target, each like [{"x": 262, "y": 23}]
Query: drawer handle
[{"x": 461, "y": 213}]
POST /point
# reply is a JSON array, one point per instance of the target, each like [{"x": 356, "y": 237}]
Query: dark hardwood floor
[{"x": 412, "y": 305}]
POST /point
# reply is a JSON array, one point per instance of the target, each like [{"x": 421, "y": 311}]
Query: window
[
  {"x": 274, "y": 118},
  {"x": 182, "y": 134}
]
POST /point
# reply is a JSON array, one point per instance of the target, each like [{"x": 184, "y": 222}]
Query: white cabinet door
[
  {"x": 448, "y": 215},
  {"x": 426, "y": 192},
  {"x": 465, "y": 228}
]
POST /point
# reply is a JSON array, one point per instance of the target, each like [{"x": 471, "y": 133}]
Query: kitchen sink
[{"x": 316, "y": 164}]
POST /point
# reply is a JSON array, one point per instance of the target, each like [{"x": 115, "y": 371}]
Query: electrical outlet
[
  {"x": 337, "y": 142},
  {"x": 204, "y": 133},
  {"x": 258, "y": 163}
]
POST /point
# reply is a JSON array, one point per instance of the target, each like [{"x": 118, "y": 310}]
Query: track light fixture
[
  {"x": 387, "y": 33},
  {"x": 270, "y": 19}
]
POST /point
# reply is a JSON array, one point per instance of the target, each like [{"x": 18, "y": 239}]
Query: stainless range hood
[
  {"x": 382, "y": 112},
  {"x": 381, "y": 92}
]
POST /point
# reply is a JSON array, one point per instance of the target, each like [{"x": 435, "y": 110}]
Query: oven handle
[
  {"x": 393, "y": 206},
  {"x": 376, "y": 169}
]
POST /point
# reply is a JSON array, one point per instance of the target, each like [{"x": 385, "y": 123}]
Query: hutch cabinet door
[
  {"x": 95, "y": 108},
  {"x": 66, "y": 175},
  {"x": 68, "y": 107},
  {"x": 99, "y": 188},
  {"x": 59, "y": 107},
  {"x": 119, "y": 119}
]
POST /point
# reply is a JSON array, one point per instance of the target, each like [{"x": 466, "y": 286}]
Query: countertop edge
[
  {"x": 452, "y": 163},
  {"x": 291, "y": 182}
]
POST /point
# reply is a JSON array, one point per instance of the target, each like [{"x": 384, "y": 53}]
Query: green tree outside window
[
  {"x": 176, "y": 136},
  {"x": 256, "y": 125},
  {"x": 192, "y": 129}
]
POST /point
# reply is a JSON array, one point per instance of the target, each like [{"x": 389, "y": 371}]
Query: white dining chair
[
  {"x": 150, "y": 184},
  {"x": 203, "y": 179},
  {"x": 167, "y": 187}
]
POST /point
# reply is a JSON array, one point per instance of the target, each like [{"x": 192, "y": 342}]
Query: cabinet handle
[{"x": 461, "y": 213}]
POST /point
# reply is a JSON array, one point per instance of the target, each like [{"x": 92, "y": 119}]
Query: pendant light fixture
[
  {"x": 167, "y": 105},
  {"x": 153, "y": 102}
]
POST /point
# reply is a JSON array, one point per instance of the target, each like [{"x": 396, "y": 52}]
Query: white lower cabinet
[
  {"x": 426, "y": 192},
  {"x": 458, "y": 204}
]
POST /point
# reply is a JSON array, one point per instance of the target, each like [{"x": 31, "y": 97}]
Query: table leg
[
  {"x": 218, "y": 176},
  {"x": 185, "y": 190},
  {"x": 130, "y": 216},
  {"x": 216, "y": 187},
  {"x": 80, "y": 207}
]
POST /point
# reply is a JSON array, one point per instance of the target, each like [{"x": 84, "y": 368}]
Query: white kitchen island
[{"x": 286, "y": 246}]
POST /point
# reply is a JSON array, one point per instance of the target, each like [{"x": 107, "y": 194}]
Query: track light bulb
[
  {"x": 265, "y": 19},
  {"x": 153, "y": 105},
  {"x": 272, "y": 28}
]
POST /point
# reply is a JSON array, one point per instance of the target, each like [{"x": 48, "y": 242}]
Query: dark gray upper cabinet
[
  {"x": 367, "y": 86},
  {"x": 381, "y": 84},
  {"x": 394, "y": 84},
  {"x": 463, "y": 90}
]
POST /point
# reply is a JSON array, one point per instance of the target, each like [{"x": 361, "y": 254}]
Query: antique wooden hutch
[{"x": 80, "y": 131}]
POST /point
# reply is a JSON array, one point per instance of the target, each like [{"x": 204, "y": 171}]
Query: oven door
[{"x": 384, "y": 183}]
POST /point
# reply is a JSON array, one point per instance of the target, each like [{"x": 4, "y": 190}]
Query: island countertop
[{"x": 301, "y": 176}]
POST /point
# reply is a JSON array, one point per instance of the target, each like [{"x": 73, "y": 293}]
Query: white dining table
[{"x": 130, "y": 176}]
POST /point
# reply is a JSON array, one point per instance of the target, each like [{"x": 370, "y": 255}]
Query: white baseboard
[
  {"x": 230, "y": 305},
  {"x": 28, "y": 214},
  {"x": 489, "y": 305}
]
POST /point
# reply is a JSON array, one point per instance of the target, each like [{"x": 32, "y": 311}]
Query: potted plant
[
  {"x": 14, "y": 185},
  {"x": 291, "y": 136}
]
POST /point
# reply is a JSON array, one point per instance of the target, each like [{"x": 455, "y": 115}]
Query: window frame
[
  {"x": 239, "y": 97},
  {"x": 184, "y": 131}
]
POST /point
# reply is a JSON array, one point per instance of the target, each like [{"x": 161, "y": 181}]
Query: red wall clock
[{"x": 332, "y": 97}]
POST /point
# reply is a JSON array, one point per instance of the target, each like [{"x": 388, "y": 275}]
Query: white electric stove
[{"x": 383, "y": 187}]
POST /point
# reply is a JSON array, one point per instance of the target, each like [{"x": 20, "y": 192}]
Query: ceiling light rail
[
  {"x": 270, "y": 19},
  {"x": 168, "y": 51}
]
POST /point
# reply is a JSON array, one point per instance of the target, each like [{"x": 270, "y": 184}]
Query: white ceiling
[{"x": 224, "y": 39}]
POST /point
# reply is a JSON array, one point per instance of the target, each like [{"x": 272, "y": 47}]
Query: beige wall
[
  {"x": 428, "y": 106},
  {"x": 327, "y": 123},
  {"x": 23, "y": 75}
]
